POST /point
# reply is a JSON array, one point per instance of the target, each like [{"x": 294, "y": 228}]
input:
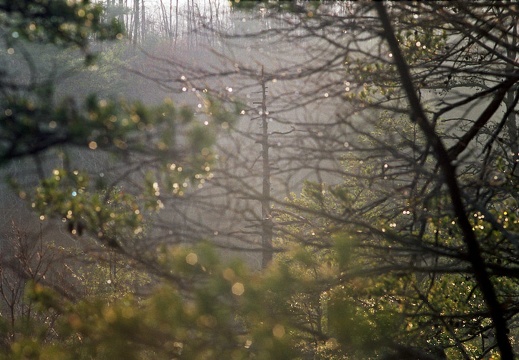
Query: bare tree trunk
[
  {"x": 176, "y": 22},
  {"x": 127, "y": 20},
  {"x": 143, "y": 22},
  {"x": 266, "y": 216},
  {"x": 136, "y": 24},
  {"x": 170, "y": 29},
  {"x": 120, "y": 16},
  {"x": 189, "y": 24},
  {"x": 164, "y": 19}
]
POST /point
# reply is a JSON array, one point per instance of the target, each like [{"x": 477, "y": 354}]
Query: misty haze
[{"x": 209, "y": 179}]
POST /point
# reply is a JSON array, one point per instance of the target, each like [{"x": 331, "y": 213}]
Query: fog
[{"x": 226, "y": 54}]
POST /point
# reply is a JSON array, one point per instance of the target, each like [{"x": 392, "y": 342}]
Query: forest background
[{"x": 269, "y": 180}]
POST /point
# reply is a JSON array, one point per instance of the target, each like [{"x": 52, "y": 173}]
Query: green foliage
[
  {"x": 372, "y": 267},
  {"x": 60, "y": 22},
  {"x": 354, "y": 284},
  {"x": 121, "y": 129},
  {"x": 375, "y": 80},
  {"x": 205, "y": 313},
  {"x": 163, "y": 150}
]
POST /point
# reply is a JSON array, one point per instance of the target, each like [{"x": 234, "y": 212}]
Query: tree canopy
[{"x": 384, "y": 210}]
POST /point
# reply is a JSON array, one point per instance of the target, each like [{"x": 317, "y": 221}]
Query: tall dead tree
[{"x": 266, "y": 216}]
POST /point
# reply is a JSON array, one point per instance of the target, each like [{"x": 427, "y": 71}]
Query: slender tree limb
[
  {"x": 487, "y": 114},
  {"x": 449, "y": 173}
]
